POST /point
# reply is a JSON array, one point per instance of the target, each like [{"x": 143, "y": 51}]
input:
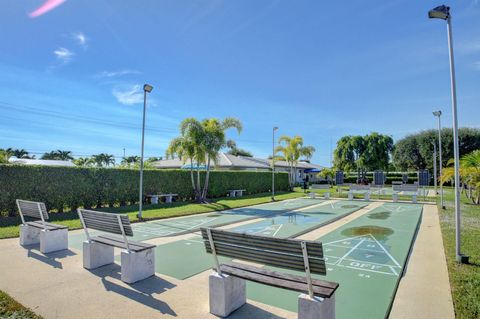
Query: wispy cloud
[
  {"x": 80, "y": 38},
  {"x": 129, "y": 96},
  {"x": 63, "y": 54},
  {"x": 112, "y": 74}
]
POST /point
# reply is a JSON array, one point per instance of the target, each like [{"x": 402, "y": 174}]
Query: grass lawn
[
  {"x": 9, "y": 308},
  {"x": 9, "y": 225},
  {"x": 464, "y": 279}
]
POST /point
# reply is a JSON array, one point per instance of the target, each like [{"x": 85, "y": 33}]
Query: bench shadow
[
  {"x": 251, "y": 312},
  {"x": 33, "y": 251},
  {"x": 141, "y": 292}
]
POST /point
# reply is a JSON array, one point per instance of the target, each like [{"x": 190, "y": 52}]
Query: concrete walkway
[{"x": 57, "y": 286}]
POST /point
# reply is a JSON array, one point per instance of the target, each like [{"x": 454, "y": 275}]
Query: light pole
[
  {"x": 443, "y": 12},
  {"x": 273, "y": 161},
  {"x": 435, "y": 165},
  {"x": 439, "y": 114},
  {"x": 147, "y": 88}
]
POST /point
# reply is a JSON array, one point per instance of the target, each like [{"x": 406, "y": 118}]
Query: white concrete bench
[
  {"x": 236, "y": 192},
  {"x": 227, "y": 285},
  {"x": 154, "y": 198},
  {"x": 405, "y": 189},
  {"x": 359, "y": 189},
  {"x": 137, "y": 259},
  {"x": 52, "y": 237},
  {"x": 326, "y": 195}
]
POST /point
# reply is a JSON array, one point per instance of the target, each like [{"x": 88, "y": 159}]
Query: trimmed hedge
[{"x": 71, "y": 187}]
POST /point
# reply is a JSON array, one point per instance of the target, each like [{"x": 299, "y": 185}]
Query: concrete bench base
[
  {"x": 367, "y": 196},
  {"x": 137, "y": 266},
  {"x": 395, "y": 198},
  {"x": 350, "y": 196},
  {"x": 312, "y": 195},
  {"x": 29, "y": 235},
  {"x": 326, "y": 195},
  {"x": 316, "y": 308},
  {"x": 227, "y": 294},
  {"x": 414, "y": 199},
  {"x": 49, "y": 240},
  {"x": 96, "y": 255},
  {"x": 53, "y": 240}
]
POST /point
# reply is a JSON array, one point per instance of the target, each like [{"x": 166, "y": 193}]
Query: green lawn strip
[
  {"x": 9, "y": 226},
  {"x": 9, "y": 308},
  {"x": 464, "y": 278}
]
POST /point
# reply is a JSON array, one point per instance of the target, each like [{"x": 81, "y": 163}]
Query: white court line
[
  {"x": 275, "y": 233},
  {"x": 353, "y": 248},
  {"x": 383, "y": 248},
  {"x": 366, "y": 249},
  {"x": 379, "y": 272},
  {"x": 369, "y": 262}
]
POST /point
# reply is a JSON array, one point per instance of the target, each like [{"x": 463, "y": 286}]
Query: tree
[
  {"x": 469, "y": 174},
  {"x": 154, "y": 159},
  {"x": 83, "y": 161},
  {"x": 415, "y": 151},
  {"x": 292, "y": 149},
  {"x": 130, "y": 160},
  {"x": 200, "y": 144},
  {"x": 103, "y": 160},
  {"x": 369, "y": 152},
  {"x": 58, "y": 155},
  {"x": 234, "y": 150},
  {"x": 327, "y": 173},
  {"x": 4, "y": 156}
]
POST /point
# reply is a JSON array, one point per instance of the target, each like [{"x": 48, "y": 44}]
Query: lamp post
[
  {"x": 435, "y": 165},
  {"x": 273, "y": 161},
  {"x": 443, "y": 12},
  {"x": 147, "y": 88},
  {"x": 439, "y": 114}
]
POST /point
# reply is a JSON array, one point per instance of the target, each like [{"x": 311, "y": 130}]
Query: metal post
[
  {"x": 273, "y": 162},
  {"x": 307, "y": 269},
  {"x": 460, "y": 257},
  {"x": 120, "y": 224},
  {"x": 435, "y": 165},
  {"x": 440, "y": 159},
  {"x": 140, "y": 205},
  {"x": 214, "y": 251}
]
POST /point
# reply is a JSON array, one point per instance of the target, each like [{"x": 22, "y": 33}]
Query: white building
[
  {"x": 232, "y": 162},
  {"x": 28, "y": 161}
]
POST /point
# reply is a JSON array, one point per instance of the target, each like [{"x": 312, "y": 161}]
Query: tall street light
[
  {"x": 147, "y": 88},
  {"x": 435, "y": 165},
  {"x": 273, "y": 162},
  {"x": 439, "y": 114},
  {"x": 443, "y": 12}
]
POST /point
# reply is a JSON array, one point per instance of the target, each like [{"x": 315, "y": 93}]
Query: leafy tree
[
  {"x": 4, "y": 156},
  {"x": 292, "y": 149},
  {"x": 58, "y": 155},
  {"x": 83, "y": 161},
  {"x": 154, "y": 159},
  {"x": 469, "y": 174},
  {"x": 130, "y": 160},
  {"x": 234, "y": 150},
  {"x": 415, "y": 151},
  {"x": 327, "y": 173},
  {"x": 103, "y": 160}
]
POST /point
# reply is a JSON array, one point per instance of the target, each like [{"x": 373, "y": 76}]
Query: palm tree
[
  {"x": 83, "y": 161},
  {"x": 292, "y": 149},
  {"x": 469, "y": 174},
  {"x": 58, "y": 155},
  {"x": 21, "y": 153},
  {"x": 103, "y": 159},
  {"x": 130, "y": 160}
]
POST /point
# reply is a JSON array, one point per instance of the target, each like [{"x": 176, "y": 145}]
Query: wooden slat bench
[
  {"x": 326, "y": 195},
  {"x": 236, "y": 192},
  {"x": 227, "y": 284},
  {"x": 155, "y": 197},
  {"x": 137, "y": 258},
  {"x": 52, "y": 237}
]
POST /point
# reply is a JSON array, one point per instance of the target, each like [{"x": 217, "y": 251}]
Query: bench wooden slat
[
  {"x": 119, "y": 243},
  {"x": 106, "y": 222},
  {"x": 266, "y": 277},
  {"x": 31, "y": 209},
  {"x": 295, "y": 262},
  {"x": 291, "y": 245},
  {"x": 48, "y": 226}
]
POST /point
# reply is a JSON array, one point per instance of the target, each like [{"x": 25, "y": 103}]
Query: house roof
[
  {"x": 25, "y": 161},
  {"x": 226, "y": 160}
]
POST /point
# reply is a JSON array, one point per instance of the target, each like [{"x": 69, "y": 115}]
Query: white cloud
[
  {"x": 111, "y": 74},
  {"x": 129, "y": 96},
  {"x": 80, "y": 38},
  {"x": 63, "y": 54}
]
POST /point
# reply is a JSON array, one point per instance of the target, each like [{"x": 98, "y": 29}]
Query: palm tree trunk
[
  {"x": 191, "y": 176},
  {"x": 205, "y": 186}
]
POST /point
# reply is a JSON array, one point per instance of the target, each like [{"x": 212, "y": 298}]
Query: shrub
[{"x": 72, "y": 187}]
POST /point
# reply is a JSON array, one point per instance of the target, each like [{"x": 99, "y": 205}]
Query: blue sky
[{"x": 71, "y": 79}]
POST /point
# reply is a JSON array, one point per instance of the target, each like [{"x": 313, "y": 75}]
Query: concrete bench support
[
  {"x": 350, "y": 196},
  {"x": 29, "y": 235},
  {"x": 326, "y": 195},
  {"x": 168, "y": 199},
  {"x": 395, "y": 197},
  {"x": 137, "y": 266},
  {"x": 367, "y": 196},
  {"x": 312, "y": 195},
  {"x": 316, "y": 308},
  {"x": 414, "y": 198},
  {"x": 227, "y": 293},
  {"x": 53, "y": 240},
  {"x": 96, "y": 255}
]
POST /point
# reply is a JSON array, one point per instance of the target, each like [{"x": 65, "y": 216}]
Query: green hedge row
[{"x": 71, "y": 187}]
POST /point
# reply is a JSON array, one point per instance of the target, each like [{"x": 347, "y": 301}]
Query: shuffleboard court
[
  {"x": 188, "y": 224},
  {"x": 188, "y": 257},
  {"x": 366, "y": 257},
  {"x": 292, "y": 224}
]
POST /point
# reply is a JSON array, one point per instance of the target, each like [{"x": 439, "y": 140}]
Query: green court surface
[
  {"x": 293, "y": 224},
  {"x": 366, "y": 257},
  {"x": 188, "y": 257},
  {"x": 188, "y": 224}
]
